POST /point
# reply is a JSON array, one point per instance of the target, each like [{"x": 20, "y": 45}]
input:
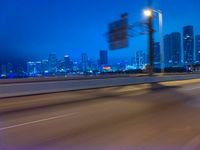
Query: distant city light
[{"x": 107, "y": 68}]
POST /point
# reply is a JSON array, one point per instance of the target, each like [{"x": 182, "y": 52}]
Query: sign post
[{"x": 118, "y": 33}]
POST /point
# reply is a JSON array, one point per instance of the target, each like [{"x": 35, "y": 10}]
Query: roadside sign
[{"x": 118, "y": 33}]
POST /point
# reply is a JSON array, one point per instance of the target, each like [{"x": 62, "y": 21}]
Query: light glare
[{"x": 148, "y": 13}]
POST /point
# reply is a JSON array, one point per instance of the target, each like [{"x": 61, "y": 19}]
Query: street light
[{"x": 149, "y": 13}]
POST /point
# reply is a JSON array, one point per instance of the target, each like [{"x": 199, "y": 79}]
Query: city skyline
[{"x": 31, "y": 29}]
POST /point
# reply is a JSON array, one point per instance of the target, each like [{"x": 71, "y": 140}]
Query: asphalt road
[
  {"x": 159, "y": 116},
  {"x": 18, "y": 89}
]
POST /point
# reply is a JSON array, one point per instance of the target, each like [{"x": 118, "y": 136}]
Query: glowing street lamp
[{"x": 149, "y": 13}]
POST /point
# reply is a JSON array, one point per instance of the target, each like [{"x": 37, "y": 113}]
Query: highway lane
[
  {"x": 158, "y": 116},
  {"x": 17, "y": 89}
]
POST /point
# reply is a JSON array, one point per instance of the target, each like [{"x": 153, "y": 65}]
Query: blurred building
[
  {"x": 120, "y": 66},
  {"x": 34, "y": 68},
  {"x": 76, "y": 67},
  {"x": 52, "y": 63},
  {"x": 20, "y": 73},
  {"x": 31, "y": 69},
  {"x": 38, "y": 68},
  {"x": 45, "y": 66},
  {"x": 10, "y": 71},
  {"x": 167, "y": 50},
  {"x": 92, "y": 64},
  {"x": 84, "y": 62},
  {"x": 103, "y": 60},
  {"x": 197, "y": 48},
  {"x": 172, "y": 49},
  {"x": 61, "y": 67},
  {"x": 188, "y": 44},
  {"x": 176, "y": 48},
  {"x": 140, "y": 59},
  {"x": 3, "y": 71},
  {"x": 10, "y": 68},
  {"x": 68, "y": 64},
  {"x": 133, "y": 61},
  {"x": 156, "y": 55}
]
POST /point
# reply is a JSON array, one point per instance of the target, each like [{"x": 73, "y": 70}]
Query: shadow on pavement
[{"x": 108, "y": 94}]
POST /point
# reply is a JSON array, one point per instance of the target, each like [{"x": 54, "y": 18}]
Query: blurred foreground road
[{"x": 157, "y": 116}]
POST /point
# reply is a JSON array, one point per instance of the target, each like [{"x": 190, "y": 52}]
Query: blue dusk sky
[{"x": 31, "y": 29}]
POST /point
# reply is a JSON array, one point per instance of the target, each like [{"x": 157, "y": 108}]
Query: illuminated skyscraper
[
  {"x": 188, "y": 44},
  {"x": 175, "y": 49},
  {"x": 172, "y": 49}
]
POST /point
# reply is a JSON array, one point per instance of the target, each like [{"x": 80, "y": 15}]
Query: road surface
[{"x": 157, "y": 116}]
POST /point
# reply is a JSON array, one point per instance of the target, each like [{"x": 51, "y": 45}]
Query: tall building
[
  {"x": 68, "y": 65},
  {"x": 188, "y": 44},
  {"x": 167, "y": 50},
  {"x": 45, "y": 66},
  {"x": 31, "y": 70},
  {"x": 38, "y": 68},
  {"x": 156, "y": 55},
  {"x": 103, "y": 58},
  {"x": 140, "y": 59},
  {"x": 197, "y": 48},
  {"x": 52, "y": 63},
  {"x": 172, "y": 49},
  {"x": 84, "y": 62},
  {"x": 175, "y": 49}
]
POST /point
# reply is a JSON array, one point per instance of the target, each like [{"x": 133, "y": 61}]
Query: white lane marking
[{"x": 37, "y": 121}]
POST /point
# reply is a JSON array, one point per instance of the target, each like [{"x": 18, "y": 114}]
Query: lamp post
[{"x": 149, "y": 13}]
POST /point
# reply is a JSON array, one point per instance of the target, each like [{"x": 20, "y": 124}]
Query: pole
[
  {"x": 151, "y": 41},
  {"x": 162, "y": 62}
]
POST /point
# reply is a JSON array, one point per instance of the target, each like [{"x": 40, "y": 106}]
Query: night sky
[{"x": 31, "y": 29}]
